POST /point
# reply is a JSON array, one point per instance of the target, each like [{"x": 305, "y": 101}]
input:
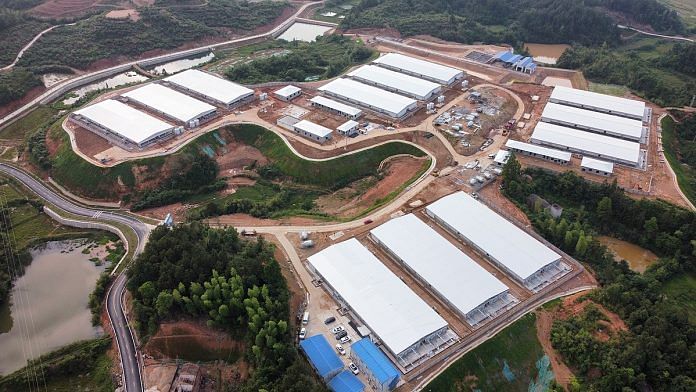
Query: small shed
[
  {"x": 595, "y": 166},
  {"x": 501, "y": 157},
  {"x": 348, "y": 128},
  {"x": 322, "y": 356},
  {"x": 288, "y": 93}
]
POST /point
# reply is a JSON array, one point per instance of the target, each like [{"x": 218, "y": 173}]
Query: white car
[
  {"x": 353, "y": 368},
  {"x": 303, "y": 333},
  {"x": 340, "y": 349},
  {"x": 338, "y": 329},
  {"x": 345, "y": 339}
]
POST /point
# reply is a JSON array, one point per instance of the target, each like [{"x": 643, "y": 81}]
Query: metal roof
[
  {"x": 287, "y": 91},
  {"x": 211, "y": 86},
  {"x": 596, "y": 164},
  {"x": 594, "y": 121},
  {"x": 320, "y": 353},
  {"x": 314, "y": 129},
  {"x": 346, "y": 382},
  {"x": 348, "y": 125},
  {"x": 370, "y": 96},
  {"x": 381, "y": 368},
  {"x": 419, "y": 88},
  {"x": 335, "y": 105},
  {"x": 170, "y": 102},
  {"x": 504, "y": 56},
  {"x": 450, "y": 272},
  {"x": 506, "y": 243},
  {"x": 624, "y": 106},
  {"x": 539, "y": 150},
  {"x": 397, "y": 315},
  {"x": 122, "y": 119},
  {"x": 502, "y": 157},
  {"x": 589, "y": 142},
  {"x": 442, "y": 73}
]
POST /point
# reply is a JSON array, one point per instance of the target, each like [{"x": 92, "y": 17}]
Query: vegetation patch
[
  {"x": 682, "y": 290},
  {"x": 678, "y": 140}
]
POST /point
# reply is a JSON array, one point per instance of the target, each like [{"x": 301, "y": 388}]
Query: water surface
[
  {"x": 546, "y": 53},
  {"x": 303, "y": 32},
  {"x": 114, "y": 81},
  {"x": 638, "y": 258},
  {"x": 49, "y": 304},
  {"x": 182, "y": 64}
]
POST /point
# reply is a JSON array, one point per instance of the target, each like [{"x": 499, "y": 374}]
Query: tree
[
  {"x": 604, "y": 211},
  {"x": 164, "y": 302}
]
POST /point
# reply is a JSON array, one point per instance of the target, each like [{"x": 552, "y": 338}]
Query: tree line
[
  {"x": 236, "y": 285},
  {"x": 657, "y": 351}
]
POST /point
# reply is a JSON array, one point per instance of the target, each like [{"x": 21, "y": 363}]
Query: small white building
[
  {"x": 312, "y": 131},
  {"x": 595, "y": 166},
  {"x": 348, "y": 128},
  {"x": 501, "y": 157},
  {"x": 288, "y": 93}
]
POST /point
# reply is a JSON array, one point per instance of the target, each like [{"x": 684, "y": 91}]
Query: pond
[
  {"x": 182, "y": 64},
  {"x": 114, "y": 81},
  {"x": 638, "y": 258},
  {"x": 546, "y": 53},
  {"x": 49, "y": 304},
  {"x": 304, "y": 32}
]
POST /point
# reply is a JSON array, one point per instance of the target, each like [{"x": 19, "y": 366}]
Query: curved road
[
  {"x": 32, "y": 42},
  {"x": 114, "y": 306}
]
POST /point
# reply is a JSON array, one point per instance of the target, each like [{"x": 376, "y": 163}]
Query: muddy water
[
  {"x": 183, "y": 64},
  {"x": 638, "y": 258},
  {"x": 546, "y": 53},
  {"x": 48, "y": 304},
  {"x": 114, "y": 81},
  {"x": 304, "y": 32}
]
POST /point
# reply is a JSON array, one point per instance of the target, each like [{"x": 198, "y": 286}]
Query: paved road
[
  {"x": 32, "y": 42},
  {"x": 675, "y": 37},
  {"x": 124, "y": 336}
]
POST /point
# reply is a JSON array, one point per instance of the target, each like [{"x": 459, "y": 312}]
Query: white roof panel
[
  {"x": 314, "y": 129},
  {"x": 170, "y": 102},
  {"x": 395, "y": 80},
  {"x": 369, "y": 95},
  {"x": 502, "y": 157},
  {"x": 122, "y": 119},
  {"x": 624, "y": 106},
  {"x": 540, "y": 150},
  {"x": 596, "y": 164},
  {"x": 211, "y": 86},
  {"x": 348, "y": 125},
  {"x": 287, "y": 90},
  {"x": 443, "y": 74},
  {"x": 506, "y": 243},
  {"x": 606, "y": 146},
  {"x": 453, "y": 274},
  {"x": 341, "y": 107},
  {"x": 389, "y": 308},
  {"x": 588, "y": 119}
]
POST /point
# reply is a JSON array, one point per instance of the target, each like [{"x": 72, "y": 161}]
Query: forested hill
[{"x": 586, "y": 22}]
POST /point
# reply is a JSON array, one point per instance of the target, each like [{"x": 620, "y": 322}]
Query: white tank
[{"x": 307, "y": 244}]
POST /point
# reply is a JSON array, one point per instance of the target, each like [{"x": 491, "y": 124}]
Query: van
[{"x": 305, "y": 318}]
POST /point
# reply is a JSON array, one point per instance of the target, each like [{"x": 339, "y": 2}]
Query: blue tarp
[
  {"x": 322, "y": 356},
  {"x": 346, "y": 382},
  {"x": 381, "y": 368}
]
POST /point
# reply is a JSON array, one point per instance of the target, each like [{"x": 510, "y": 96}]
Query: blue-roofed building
[
  {"x": 378, "y": 370},
  {"x": 346, "y": 382},
  {"x": 526, "y": 65},
  {"x": 504, "y": 56},
  {"x": 322, "y": 356},
  {"x": 514, "y": 59}
]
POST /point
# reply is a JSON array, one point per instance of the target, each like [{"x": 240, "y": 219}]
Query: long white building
[
  {"x": 396, "y": 82},
  {"x": 420, "y": 68},
  {"x": 210, "y": 87},
  {"x": 336, "y": 107},
  {"x": 457, "y": 279},
  {"x": 121, "y": 123},
  {"x": 381, "y": 101},
  {"x": 587, "y": 120},
  {"x": 312, "y": 131},
  {"x": 587, "y": 143},
  {"x": 598, "y": 102},
  {"x": 515, "y": 251},
  {"x": 537, "y": 151},
  {"x": 172, "y": 104},
  {"x": 409, "y": 328}
]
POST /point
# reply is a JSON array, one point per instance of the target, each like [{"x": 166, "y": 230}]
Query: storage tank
[
  {"x": 465, "y": 83},
  {"x": 307, "y": 244},
  {"x": 488, "y": 175},
  {"x": 430, "y": 106},
  {"x": 304, "y": 235},
  {"x": 480, "y": 179},
  {"x": 263, "y": 96},
  {"x": 441, "y": 99},
  {"x": 472, "y": 181}
]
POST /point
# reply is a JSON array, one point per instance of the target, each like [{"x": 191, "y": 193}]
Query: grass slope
[
  {"x": 686, "y": 176},
  {"x": 682, "y": 290},
  {"x": 20, "y": 129},
  {"x": 482, "y": 368}
]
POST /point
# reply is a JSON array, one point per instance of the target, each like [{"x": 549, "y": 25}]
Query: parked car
[
  {"x": 345, "y": 339},
  {"x": 303, "y": 333},
  {"x": 353, "y": 368},
  {"x": 368, "y": 221},
  {"x": 340, "y": 349},
  {"x": 330, "y": 320},
  {"x": 338, "y": 329},
  {"x": 341, "y": 335}
]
